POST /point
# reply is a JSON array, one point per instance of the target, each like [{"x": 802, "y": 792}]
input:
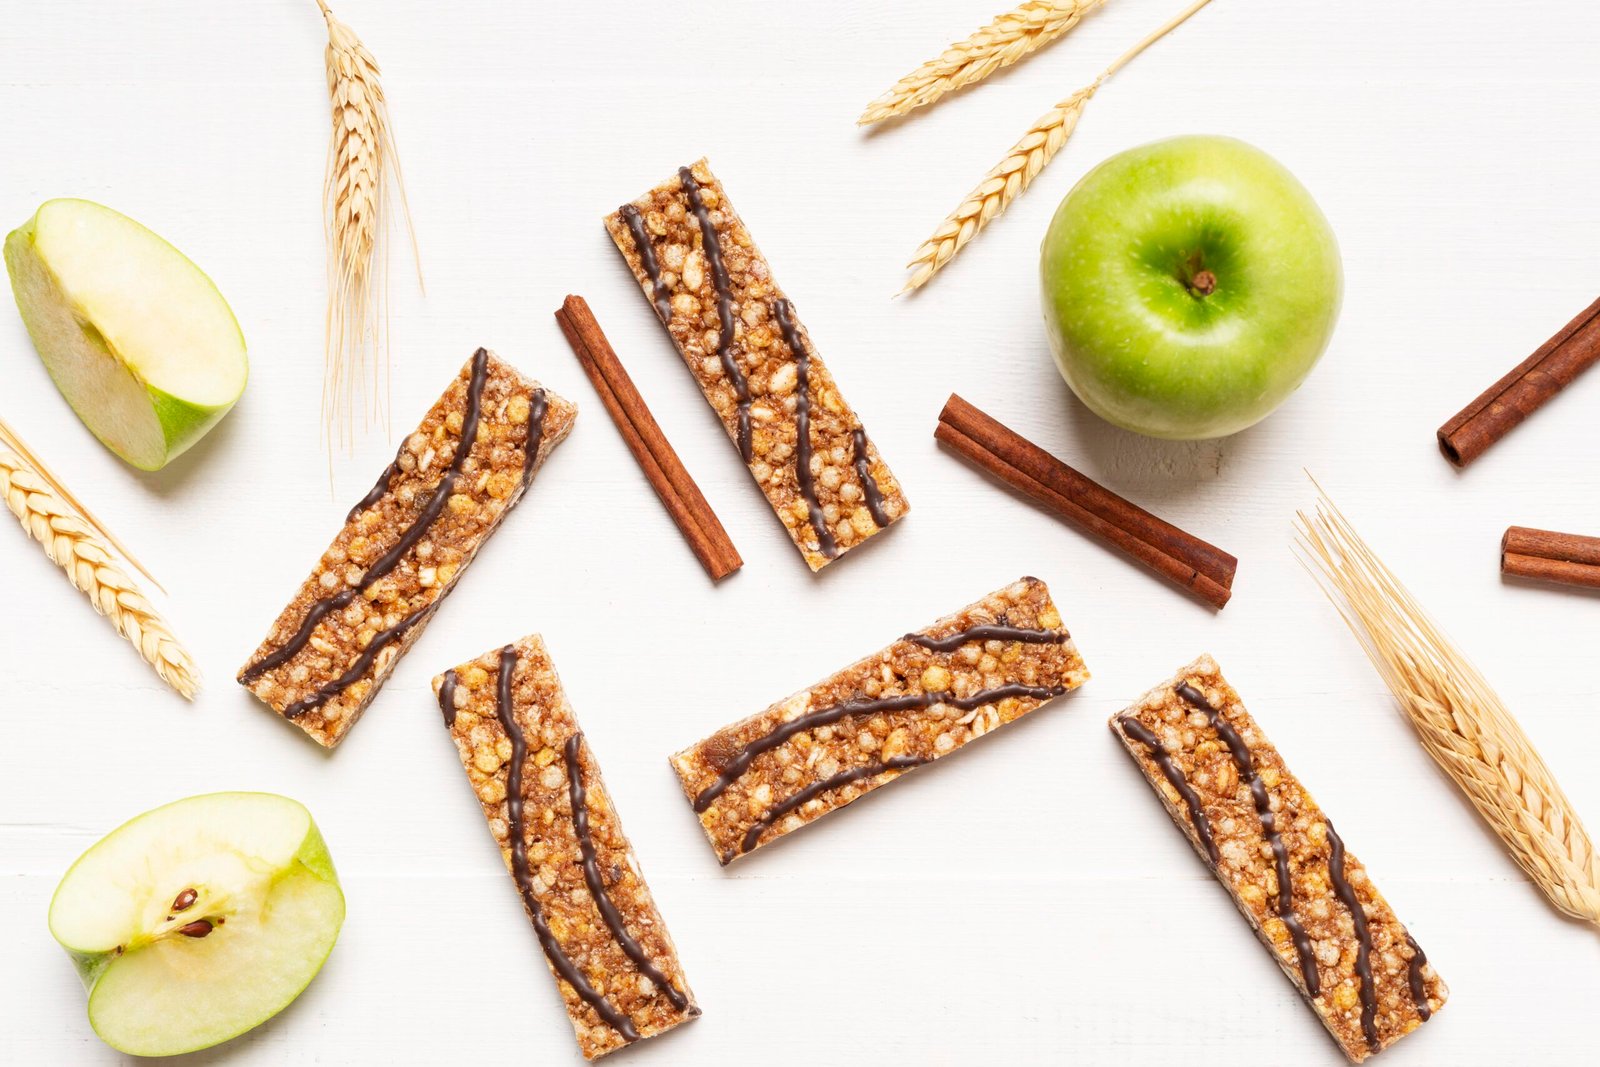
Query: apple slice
[
  {"x": 199, "y": 920},
  {"x": 137, "y": 338}
]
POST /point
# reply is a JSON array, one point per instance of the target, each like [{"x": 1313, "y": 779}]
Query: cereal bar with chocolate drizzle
[
  {"x": 713, "y": 291},
  {"x": 1278, "y": 855},
  {"x": 405, "y": 545},
  {"x": 553, "y": 821},
  {"x": 921, "y": 698}
]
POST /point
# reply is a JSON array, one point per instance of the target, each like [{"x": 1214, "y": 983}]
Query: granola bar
[
  {"x": 404, "y": 546},
  {"x": 552, "y": 818},
  {"x": 739, "y": 334},
  {"x": 1277, "y": 854},
  {"x": 921, "y": 698}
]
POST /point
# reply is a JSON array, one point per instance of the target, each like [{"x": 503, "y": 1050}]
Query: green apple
[
  {"x": 1189, "y": 287},
  {"x": 136, "y": 337},
  {"x": 199, "y": 920}
]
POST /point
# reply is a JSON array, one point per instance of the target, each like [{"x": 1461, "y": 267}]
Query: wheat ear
[
  {"x": 1010, "y": 37},
  {"x": 1462, "y": 722},
  {"x": 1021, "y": 165},
  {"x": 77, "y": 544},
  {"x": 362, "y": 163}
]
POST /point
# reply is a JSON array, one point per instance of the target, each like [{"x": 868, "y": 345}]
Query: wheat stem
[
  {"x": 362, "y": 166},
  {"x": 1005, "y": 40},
  {"x": 1021, "y": 165},
  {"x": 79, "y": 545},
  {"x": 1152, "y": 37},
  {"x": 1462, "y": 723}
]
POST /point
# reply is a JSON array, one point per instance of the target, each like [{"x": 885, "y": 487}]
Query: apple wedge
[
  {"x": 136, "y": 337},
  {"x": 199, "y": 920}
]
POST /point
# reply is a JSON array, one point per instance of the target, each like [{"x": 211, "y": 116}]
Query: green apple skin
[
  {"x": 201, "y": 992},
  {"x": 1124, "y": 275},
  {"x": 135, "y": 336}
]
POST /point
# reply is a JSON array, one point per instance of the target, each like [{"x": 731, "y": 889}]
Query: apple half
[
  {"x": 199, "y": 920},
  {"x": 136, "y": 337}
]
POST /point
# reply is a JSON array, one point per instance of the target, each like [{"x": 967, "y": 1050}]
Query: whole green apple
[{"x": 1189, "y": 287}]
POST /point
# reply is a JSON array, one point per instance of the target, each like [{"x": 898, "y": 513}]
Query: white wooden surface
[{"x": 1025, "y": 903}]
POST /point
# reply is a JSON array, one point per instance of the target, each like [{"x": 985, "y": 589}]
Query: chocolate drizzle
[
  {"x": 447, "y": 697},
  {"x": 379, "y": 487},
  {"x": 1347, "y": 895},
  {"x": 596, "y": 884},
  {"x": 363, "y": 663},
  {"x": 384, "y": 564},
  {"x": 1269, "y": 826},
  {"x": 734, "y": 768},
  {"x": 538, "y": 407},
  {"x": 783, "y": 807},
  {"x": 802, "y": 429},
  {"x": 647, "y": 259},
  {"x": 559, "y": 961},
  {"x": 869, "y": 485},
  {"x": 1158, "y": 752},
  {"x": 1419, "y": 987},
  {"x": 711, "y": 246},
  {"x": 286, "y": 652},
  {"x": 995, "y": 631},
  {"x": 417, "y": 530}
]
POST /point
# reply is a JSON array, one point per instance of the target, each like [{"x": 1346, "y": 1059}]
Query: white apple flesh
[
  {"x": 136, "y": 337},
  {"x": 199, "y": 920}
]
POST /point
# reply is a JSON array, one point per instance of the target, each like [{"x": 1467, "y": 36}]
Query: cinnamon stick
[
  {"x": 1197, "y": 566},
  {"x": 1503, "y": 406},
  {"x": 1548, "y": 556},
  {"x": 656, "y": 457}
]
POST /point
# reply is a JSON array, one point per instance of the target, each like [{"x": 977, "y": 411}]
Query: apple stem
[{"x": 1203, "y": 284}]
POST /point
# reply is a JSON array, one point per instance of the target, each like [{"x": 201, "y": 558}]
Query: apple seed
[
  {"x": 184, "y": 900},
  {"x": 198, "y": 928}
]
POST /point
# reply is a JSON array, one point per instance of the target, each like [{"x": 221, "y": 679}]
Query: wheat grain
[
  {"x": 76, "y": 544},
  {"x": 999, "y": 187},
  {"x": 9, "y": 439},
  {"x": 1462, "y": 722},
  {"x": 362, "y": 164},
  {"x": 1004, "y": 41},
  {"x": 1021, "y": 165}
]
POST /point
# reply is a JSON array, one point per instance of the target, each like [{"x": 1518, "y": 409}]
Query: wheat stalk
[
  {"x": 1008, "y": 38},
  {"x": 79, "y": 545},
  {"x": 362, "y": 162},
  {"x": 1460, "y": 719},
  {"x": 1021, "y": 165}
]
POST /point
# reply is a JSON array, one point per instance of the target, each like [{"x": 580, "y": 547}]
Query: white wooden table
[{"x": 1026, "y": 903}]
